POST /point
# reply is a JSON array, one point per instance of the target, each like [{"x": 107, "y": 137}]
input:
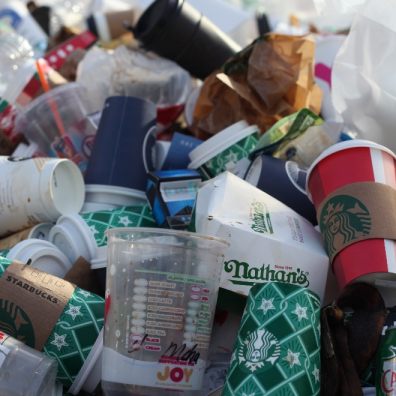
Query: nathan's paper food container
[
  {"x": 42, "y": 255},
  {"x": 51, "y": 315},
  {"x": 104, "y": 197},
  {"x": 227, "y": 150},
  {"x": 84, "y": 235},
  {"x": 353, "y": 185},
  {"x": 277, "y": 350},
  {"x": 37, "y": 190},
  {"x": 161, "y": 296},
  {"x": 268, "y": 240}
]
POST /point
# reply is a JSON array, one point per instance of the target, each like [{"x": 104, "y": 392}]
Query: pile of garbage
[{"x": 197, "y": 197}]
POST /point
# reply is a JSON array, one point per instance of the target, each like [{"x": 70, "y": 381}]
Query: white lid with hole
[
  {"x": 220, "y": 142},
  {"x": 91, "y": 372},
  {"x": 73, "y": 237},
  {"x": 43, "y": 255},
  {"x": 104, "y": 197}
]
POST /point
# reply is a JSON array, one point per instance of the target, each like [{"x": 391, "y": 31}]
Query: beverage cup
[
  {"x": 176, "y": 30},
  {"x": 25, "y": 371},
  {"x": 227, "y": 150},
  {"x": 121, "y": 155},
  {"x": 103, "y": 197},
  {"x": 36, "y": 190},
  {"x": 58, "y": 123},
  {"x": 161, "y": 295},
  {"x": 346, "y": 217},
  {"x": 284, "y": 180}
]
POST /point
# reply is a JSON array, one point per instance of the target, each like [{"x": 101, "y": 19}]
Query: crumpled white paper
[{"x": 364, "y": 79}]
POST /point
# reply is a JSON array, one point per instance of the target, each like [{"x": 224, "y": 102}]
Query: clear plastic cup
[
  {"x": 58, "y": 123},
  {"x": 161, "y": 296}
]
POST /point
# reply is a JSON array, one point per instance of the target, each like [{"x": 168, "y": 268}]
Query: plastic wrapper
[
  {"x": 129, "y": 72},
  {"x": 363, "y": 79},
  {"x": 268, "y": 80}
]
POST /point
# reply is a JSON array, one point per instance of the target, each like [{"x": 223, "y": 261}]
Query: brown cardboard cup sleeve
[
  {"x": 31, "y": 302},
  {"x": 357, "y": 212}
]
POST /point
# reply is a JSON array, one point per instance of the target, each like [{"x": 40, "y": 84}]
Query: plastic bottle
[{"x": 25, "y": 371}]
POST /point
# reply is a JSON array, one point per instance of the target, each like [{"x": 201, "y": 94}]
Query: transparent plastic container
[
  {"x": 25, "y": 371},
  {"x": 161, "y": 296}
]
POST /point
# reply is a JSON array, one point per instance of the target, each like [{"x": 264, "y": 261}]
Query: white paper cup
[
  {"x": 227, "y": 150},
  {"x": 43, "y": 255},
  {"x": 37, "y": 190},
  {"x": 103, "y": 197},
  {"x": 74, "y": 238}
]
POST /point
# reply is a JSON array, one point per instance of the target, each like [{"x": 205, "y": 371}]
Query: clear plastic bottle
[
  {"x": 17, "y": 66},
  {"x": 25, "y": 371}
]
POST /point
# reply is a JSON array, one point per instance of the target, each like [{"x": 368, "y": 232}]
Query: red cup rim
[{"x": 349, "y": 144}]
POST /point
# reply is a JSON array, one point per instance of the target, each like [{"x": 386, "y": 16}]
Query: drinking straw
[{"x": 52, "y": 104}]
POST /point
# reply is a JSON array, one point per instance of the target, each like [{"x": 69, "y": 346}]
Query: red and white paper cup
[{"x": 341, "y": 165}]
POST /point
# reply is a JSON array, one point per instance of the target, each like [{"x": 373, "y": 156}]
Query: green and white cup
[
  {"x": 84, "y": 235},
  {"x": 277, "y": 350},
  {"x": 227, "y": 150},
  {"x": 75, "y": 342}
]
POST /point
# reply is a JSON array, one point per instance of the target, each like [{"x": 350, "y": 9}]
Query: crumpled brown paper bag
[{"x": 268, "y": 80}]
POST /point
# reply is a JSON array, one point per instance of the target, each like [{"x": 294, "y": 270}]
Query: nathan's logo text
[
  {"x": 175, "y": 374},
  {"x": 260, "y": 217},
  {"x": 243, "y": 274}
]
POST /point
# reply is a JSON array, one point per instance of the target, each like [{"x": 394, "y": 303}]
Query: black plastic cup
[
  {"x": 283, "y": 180},
  {"x": 176, "y": 30},
  {"x": 121, "y": 154}
]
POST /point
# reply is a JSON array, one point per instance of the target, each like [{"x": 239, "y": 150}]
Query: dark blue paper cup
[
  {"x": 285, "y": 181},
  {"x": 121, "y": 155}
]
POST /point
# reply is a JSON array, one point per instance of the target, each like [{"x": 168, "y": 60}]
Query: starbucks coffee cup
[
  {"x": 84, "y": 235},
  {"x": 353, "y": 187},
  {"x": 227, "y": 150},
  {"x": 104, "y": 197},
  {"x": 42, "y": 255},
  {"x": 40, "y": 231},
  {"x": 59, "y": 319},
  {"x": 90, "y": 373},
  {"x": 37, "y": 190}
]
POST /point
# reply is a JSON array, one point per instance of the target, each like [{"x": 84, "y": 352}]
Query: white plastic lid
[
  {"x": 73, "y": 237},
  {"x": 112, "y": 197},
  {"x": 356, "y": 143},
  {"x": 43, "y": 255},
  {"x": 91, "y": 372},
  {"x": 220, "y": 142}
]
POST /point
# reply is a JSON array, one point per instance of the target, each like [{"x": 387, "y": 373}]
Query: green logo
[
  {"x": 16, "y": 323},
  {"x": 250, "y": 275},
  {"x": 260, "y": 217},
  {"x": 343, "y": 220},
  {"x": 259, "y": 349}
]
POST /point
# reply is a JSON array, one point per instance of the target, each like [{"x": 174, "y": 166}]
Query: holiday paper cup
[
  {"x": 277, "y": 350},
  {"x": 347, "y": 214}
]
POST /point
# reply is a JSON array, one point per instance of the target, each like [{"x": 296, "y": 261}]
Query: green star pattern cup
[
  {"x": 231, "y": 155},
  {"x": 277, "y": 351},
  {"x": 128, "y": 216},
  {"x": 75, "y": 332}
]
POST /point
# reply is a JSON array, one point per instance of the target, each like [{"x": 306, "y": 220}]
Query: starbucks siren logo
[
  {"x": 260, "y": 348},
  {"x": 343, "y": 220}
]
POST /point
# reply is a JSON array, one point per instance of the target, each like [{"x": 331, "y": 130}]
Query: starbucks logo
[
  {"x": 260, "y": 349},
  {"x": 15, "y": 322},
  {"x": 343, "y": 220}
]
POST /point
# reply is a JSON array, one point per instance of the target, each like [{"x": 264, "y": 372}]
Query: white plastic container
[
  {"x": 103, "y": 197},
  {"x": 37, "y": 190},
  {"x": 43, "y": 255}
]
